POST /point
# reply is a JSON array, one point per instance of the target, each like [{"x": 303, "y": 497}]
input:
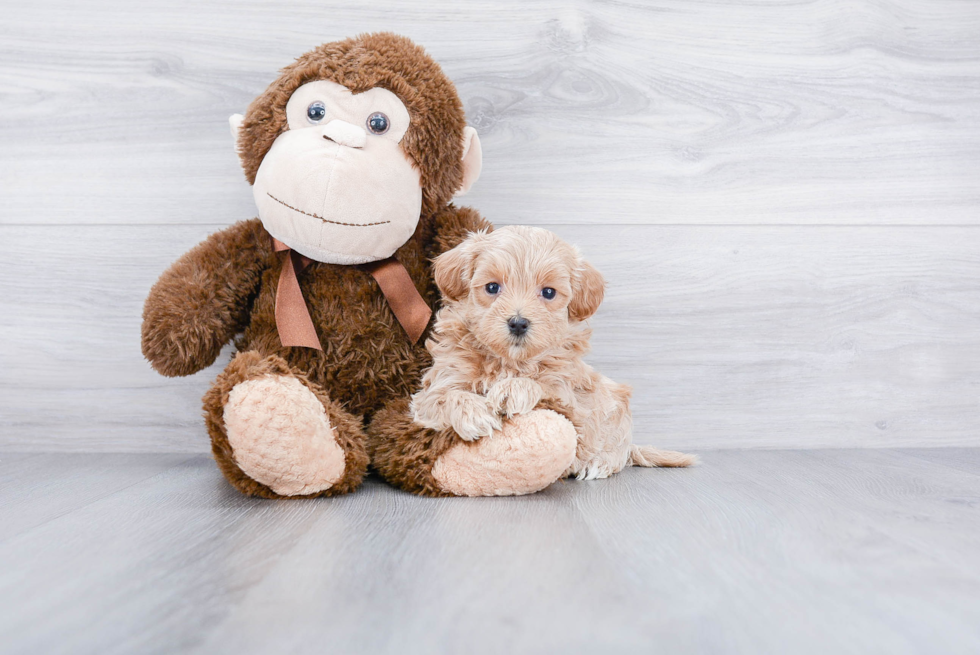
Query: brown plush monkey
[{"x": 354, "y": 154}]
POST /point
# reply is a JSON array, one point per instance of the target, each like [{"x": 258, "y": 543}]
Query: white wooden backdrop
[{"x": 784, "y": 197}]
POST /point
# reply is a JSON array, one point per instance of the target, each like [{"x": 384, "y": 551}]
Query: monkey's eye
[
  {"x": 493, "y": 288},
  {"x": 316, "y": 111},
  {"x": 378, "y": 123},
  {"x": 548, "y": 293}
]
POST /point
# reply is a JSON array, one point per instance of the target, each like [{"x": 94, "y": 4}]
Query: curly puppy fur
[
  {"x": 511, "y": 335},
  {"x": 227, "y": 284}
]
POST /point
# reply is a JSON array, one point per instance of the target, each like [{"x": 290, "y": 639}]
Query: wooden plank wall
[{"x": 784, "y": 197}]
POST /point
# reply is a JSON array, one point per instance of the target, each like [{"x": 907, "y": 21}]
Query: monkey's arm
[
  {"x": 202, "y": 300},
  {"x": 453, "y": 225}
]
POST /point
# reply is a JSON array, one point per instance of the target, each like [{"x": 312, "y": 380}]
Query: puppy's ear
[
  {"x": 588, "y": 288},
  {"x": 453, "y": 269}
]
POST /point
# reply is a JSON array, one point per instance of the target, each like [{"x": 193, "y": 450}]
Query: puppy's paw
[
  {"x": 595, "y": 470},
  {"x": 514, "y": 396},
  {"x": 472, "y": 416}
]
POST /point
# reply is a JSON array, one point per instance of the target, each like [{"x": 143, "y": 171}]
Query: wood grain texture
[
  {"x": 782, "y": 194},
  {"x": 752, "y": 552},
  {"x": 55, "y": 486},
  {"x": 731, "y": 336},
  {"x": 858, "y": 112}
]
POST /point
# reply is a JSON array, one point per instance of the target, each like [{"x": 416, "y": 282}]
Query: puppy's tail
[{"x": 650, "y": 456}]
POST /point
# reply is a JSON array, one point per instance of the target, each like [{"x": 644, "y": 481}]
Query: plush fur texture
[
  {"x": 435, "y": 140},
  {"x": 404, "y": 452},
  {"x": 486, "y": 370},
  {"x": 281, "y": 436},
  {"x": 411, "y": 457},
  {"x": 531, "y": 451},
  {"x": 227, "y": 284},
  {"x": 347, "y": 429}
]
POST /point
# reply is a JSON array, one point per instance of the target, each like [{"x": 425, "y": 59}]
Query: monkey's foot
[
  {"x": 281, "y": 435},
  {"x": 528, "y": 454}
]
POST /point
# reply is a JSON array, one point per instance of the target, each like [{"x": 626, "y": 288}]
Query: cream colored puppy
[{"x": 510, "y": 339}]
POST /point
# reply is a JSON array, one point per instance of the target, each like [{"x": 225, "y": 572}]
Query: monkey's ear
[
  {"x": 453, "y": 269},
  {"x": 472, "y": 160},
  {"x": 235, "y": 121},
  {"x": 588, "y": 288}
]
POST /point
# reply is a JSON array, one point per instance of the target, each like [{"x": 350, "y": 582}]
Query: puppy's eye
[
  {"x": 548, "y": 293},
  {"x": 493, "y": 288},
  {"x": 378, "y": 123},
  {"x": 316, "y": 111}
]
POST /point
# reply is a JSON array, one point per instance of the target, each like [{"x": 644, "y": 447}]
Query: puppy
[{"x": 510, "y": 339}]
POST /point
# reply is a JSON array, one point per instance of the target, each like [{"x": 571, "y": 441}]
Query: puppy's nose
[{"x": 518, "y": 325}]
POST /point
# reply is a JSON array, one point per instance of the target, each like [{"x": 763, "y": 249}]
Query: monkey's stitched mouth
[{"x": 325, "y": 220}]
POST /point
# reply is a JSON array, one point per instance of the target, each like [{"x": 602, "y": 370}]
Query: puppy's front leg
[
  {"x": 471, "y": 415},
  {"x": 514, "y": 396},
  {"x": 442, "y": 404}
]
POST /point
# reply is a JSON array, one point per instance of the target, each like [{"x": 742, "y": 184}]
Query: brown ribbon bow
[{"x": 293, "y": 317}]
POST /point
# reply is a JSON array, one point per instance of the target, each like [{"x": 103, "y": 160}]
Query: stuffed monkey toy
[{"x": 354, "y": 154}]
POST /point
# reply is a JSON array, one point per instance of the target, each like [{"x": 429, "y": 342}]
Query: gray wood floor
[
  {"x": 820, "y": 551},
  {"x": 783, "y": 198}
]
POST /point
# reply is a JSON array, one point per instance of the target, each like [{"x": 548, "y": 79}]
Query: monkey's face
[
  {"x": 336, "y": 186},
  {"x": 352, "y": 144}
]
